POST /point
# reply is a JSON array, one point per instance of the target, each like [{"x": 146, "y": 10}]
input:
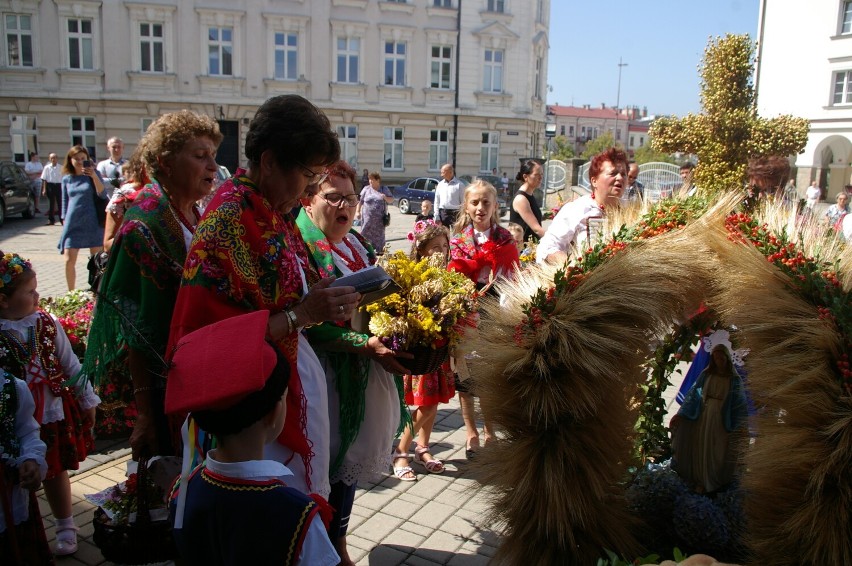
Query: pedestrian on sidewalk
[
  {"x": 34, "y": 347},
  {"x": 51, "y": 187}
]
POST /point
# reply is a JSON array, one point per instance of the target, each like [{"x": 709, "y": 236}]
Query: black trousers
[
  {"x": 448, "y": 216},
  {"x": 54, "y": 200}
]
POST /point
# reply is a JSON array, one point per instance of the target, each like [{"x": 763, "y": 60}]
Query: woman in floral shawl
[
  {"x": 248, "y": 255},
  {"x": 482, "y": 250},
  {"x": 137, "y": 294},
  {"x": 363, "y": 396}
]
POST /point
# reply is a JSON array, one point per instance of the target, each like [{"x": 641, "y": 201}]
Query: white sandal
[{"x": 403, "y": 473}]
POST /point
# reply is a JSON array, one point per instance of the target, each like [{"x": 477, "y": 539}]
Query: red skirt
[
  {"x": 68, "y": 441},
  {"x": 24, "y": 544},
  {"x": 431, "y": 388}
]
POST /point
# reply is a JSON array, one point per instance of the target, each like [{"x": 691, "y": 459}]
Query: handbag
[
  {"x": 386, "y": 216},
  {"x": 97, "y": 266},
  {"x": 100, "y": 208}
]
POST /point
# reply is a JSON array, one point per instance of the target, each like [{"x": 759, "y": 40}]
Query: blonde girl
[{"x": 482, "y": 250}]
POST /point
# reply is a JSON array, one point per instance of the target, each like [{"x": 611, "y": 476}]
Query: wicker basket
[
  {"x": 426, "y": 359},
  {"x": 141, "y": 542}
]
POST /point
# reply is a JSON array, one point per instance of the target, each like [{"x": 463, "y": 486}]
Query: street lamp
[
  {"x": 549, "y": 133},
  {"x": 618, "y": 98}
]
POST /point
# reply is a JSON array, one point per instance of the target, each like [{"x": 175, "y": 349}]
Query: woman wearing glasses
[
  {"x": 371, "y": 211},
  {"x": 363, "y": 399},
  {"x": 247, "y": 255}
]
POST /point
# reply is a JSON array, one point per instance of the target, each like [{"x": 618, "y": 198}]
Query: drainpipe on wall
[{"x": 458, "y": 64}]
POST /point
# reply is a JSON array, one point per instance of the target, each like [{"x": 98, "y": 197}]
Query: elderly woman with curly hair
[
  {"x": 572, "y": 226},
  {"x": 141, "y": 282}
]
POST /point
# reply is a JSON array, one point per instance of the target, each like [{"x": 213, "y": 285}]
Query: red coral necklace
[{"x": 356, "y": 262}]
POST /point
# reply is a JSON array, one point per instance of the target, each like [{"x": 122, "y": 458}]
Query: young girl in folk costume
[
  {"x": 22, "y": 468},
  {"x": 482, "y": 250},
  {"x": 424, "y": 391},
  {"x": 34, "y": 348}
]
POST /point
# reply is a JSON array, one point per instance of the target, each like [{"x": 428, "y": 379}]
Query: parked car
[
  {"x": 497, "y": 183},
  {"x": 408, "y": 196},
  {"x": 15, "y": 195}
]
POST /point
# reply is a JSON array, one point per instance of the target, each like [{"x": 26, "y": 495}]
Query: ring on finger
[{"x": 341, "y": 309}]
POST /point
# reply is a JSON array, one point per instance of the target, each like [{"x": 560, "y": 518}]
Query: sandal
[
  {"x": 403, "y": 473},
  {"x": 433, "y": 466}
]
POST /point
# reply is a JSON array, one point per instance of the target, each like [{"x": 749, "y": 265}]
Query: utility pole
[{"x": 618, "y": 100}]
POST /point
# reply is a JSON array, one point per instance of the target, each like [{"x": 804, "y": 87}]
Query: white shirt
[
  {"x": 33, "y": 169},
  {"x": 812, "y": 194},
  {"x": 68, "y": 360},
  {"x": 317, "y": 548},
  {"x": 569, "y": 228},
  {"x": 448, "y": 195},
  {"x": 847, "y": 227},
  {"x": 32, "y": 448},
  {"x": 52, "y": 173}
]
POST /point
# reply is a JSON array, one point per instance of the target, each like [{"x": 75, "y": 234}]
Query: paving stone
[
  {"x": 383, "y": 556},
  {"x": 432, "y": 514},
  {"x": 378, "y": 527}
]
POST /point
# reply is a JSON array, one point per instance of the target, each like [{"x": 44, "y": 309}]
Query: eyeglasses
[
  {"x": 335, "y": 199},
  {"x": 313, "y": 177}
]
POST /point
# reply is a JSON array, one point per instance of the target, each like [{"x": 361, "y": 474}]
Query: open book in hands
[{"x": 373, "y": 283}]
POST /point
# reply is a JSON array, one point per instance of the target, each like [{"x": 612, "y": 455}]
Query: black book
[{"x": 373, "y": 283}]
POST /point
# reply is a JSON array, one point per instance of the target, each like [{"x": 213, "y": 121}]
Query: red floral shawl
[
  {"x": 245, "y": 257},
  {"x": 499, "y": 253}
]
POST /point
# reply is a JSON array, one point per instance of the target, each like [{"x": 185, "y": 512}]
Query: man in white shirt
[
  {"x": 449, "y": 196},
  {"x": 51, "y": 187},
  {"x": 110, "y": 169},
  {"x": 33, "y": 169},
  {"x": 812, "y": 195}
]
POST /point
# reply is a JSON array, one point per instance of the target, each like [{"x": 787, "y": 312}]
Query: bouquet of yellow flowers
[{"x": 431, "y": 308}]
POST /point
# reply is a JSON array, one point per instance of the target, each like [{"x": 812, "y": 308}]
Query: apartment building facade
[
  {"x": 582, "y": 124},
  {"x": 408, "y": 84},
  {"x": 804, "y": 68}
]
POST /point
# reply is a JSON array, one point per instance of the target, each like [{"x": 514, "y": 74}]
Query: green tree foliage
[
  {"x": 647, "y": 154},
  {"x": 728, "y": 131},
  {"x": 562, "y": 149},
  {"x": 599, "y": 144}
]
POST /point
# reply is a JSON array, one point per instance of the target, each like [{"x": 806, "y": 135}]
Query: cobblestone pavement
[{"x": 436, "y": 520}]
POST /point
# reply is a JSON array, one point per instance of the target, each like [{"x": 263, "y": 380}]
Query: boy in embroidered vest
[{"x": 238, "y": 508}]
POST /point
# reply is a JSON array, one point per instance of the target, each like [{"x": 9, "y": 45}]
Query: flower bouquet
[
  {"x": 74, "y": 311},
  {"x": 428, "y": 315},
  {"x": 132, "y": 520}
]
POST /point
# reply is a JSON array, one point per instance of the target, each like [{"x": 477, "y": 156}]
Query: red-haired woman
[{"x": 571, "y": 227}]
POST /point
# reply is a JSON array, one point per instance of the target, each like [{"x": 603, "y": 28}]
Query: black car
[
  {"x": 15, "y": 195},
  {"x": 408, "y": 196}
]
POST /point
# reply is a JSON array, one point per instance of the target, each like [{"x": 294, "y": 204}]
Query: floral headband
[
  {"x": 421, "y": 226},
  {"x": 11, "y": 266}
]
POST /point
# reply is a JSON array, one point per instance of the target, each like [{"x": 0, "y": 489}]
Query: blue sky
[{"x": 662, "y": 42}]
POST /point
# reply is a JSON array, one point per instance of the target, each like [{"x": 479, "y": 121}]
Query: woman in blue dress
[
  {"x": 81, "y": 227},
  {"x": 371, "y": 212}
]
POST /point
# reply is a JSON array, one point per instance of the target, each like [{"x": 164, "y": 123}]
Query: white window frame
[
  {"x": 539, "y": 62},
  {"x": 489, "y": 152},
  {"x": 289, "y": 53},
  {"x": 82, "y": 135},
  {"x": 152, "y": 14},
  {"x": 570, "y": 131},
  {"x": 842, "y": 87},
  {"x": 439, "y": 148},
  {"x": 221, "y": 19},
  {"x": 351, "y": 55},
  {"x": 288, "y": 25},
  {"x": 23, "y": 136},
  {"x": 148, "y": 44},
  {"x": 347, "y": 135},
  {"x": 76, "y": 10},
  {"x": 222, "y": 47},
  {"x": 392, "y": 60},
  {"x": 641, "y": 141},
  {"x": 393, "y": 155},
  {"x": 20, "y": 34},
  {"x": 492, "y": 67},
  {"x": 497, "y": 6},
  {"x": 143, "y": 124},
  {"x": 442, "y": 3},
  {"x": 439, "y": 64},
  {"x": 83, "y": 40},
  {"x": 845, "y": 23}
]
